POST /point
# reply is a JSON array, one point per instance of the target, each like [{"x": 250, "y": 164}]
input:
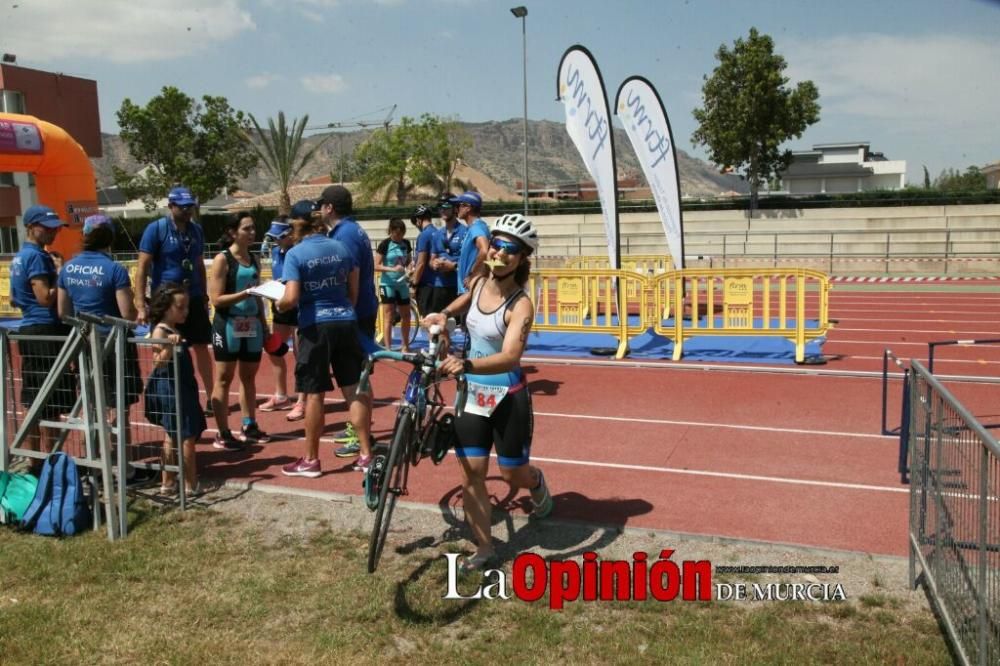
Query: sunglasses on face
[{"x": 510, "y": 247}]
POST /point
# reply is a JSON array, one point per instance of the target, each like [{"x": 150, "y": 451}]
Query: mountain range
[{"x": 497, "y": 151}]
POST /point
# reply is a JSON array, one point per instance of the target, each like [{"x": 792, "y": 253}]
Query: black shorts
[
  {"x": 228, "y": 348},
  {"x": 287, "y": 318},
  {"x": 37, "y": 358},
  {"x": 442, "y": 298},
  {"x": 324, "y": 347},
  {"x": 509, "y": 428},
  {"x": 425, "y": 299},
  {"x": 393, "y": 296},
  {"x": 196, "y": 329}
]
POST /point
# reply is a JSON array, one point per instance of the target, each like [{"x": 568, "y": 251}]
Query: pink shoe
[
  {"x": 303, "y": 467},
  {"x": 276, "y": 403},
  {"x": 298, "y": 412}
]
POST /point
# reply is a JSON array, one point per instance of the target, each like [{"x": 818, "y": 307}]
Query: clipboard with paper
[{"x": 272, "y": 290}]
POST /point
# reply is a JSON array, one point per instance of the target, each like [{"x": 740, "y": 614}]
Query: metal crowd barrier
[
  {"x": 954, "y": 519},
  {"x": 86, "y": 390}
]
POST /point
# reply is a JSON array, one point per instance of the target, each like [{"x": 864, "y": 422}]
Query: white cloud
[
  {"x": 122, "y": 31},
  {"x": 324, "y": 83},
  {"x": 260, "y": 80},
  {"x": 916, "y": 83}
]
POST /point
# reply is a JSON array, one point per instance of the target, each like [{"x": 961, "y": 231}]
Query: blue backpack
[{"x": 59, "y": 507}]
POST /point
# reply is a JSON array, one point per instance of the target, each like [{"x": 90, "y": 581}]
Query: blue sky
[{"x": 916, "y": 78}]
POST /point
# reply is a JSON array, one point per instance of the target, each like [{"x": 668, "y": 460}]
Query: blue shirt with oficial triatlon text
[
  {"x": 176, "y": 254},
  {"x": 321, "y": 266},
  {"x": 32, "y": 262},
  {"x": 91, "y": 279}
]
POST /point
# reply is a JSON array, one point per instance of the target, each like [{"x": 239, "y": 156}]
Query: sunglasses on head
[{"x": 510, "y": 247}]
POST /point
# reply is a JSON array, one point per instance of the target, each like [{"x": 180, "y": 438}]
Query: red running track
[{"x": 783, "y": 457}]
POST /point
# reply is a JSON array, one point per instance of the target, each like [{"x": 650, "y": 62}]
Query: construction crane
[{"x": 355, "y": 123}]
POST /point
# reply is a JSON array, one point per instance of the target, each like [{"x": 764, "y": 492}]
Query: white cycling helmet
[{"x": 519, "y": 227}]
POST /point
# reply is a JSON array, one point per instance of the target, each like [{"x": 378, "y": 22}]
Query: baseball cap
[
  {"x": 472, "y": 198},
  {"x": 302, "y": 210},
  {"x": 42, "y": 215},
  {"x": 279, "y": 229},
  {"x": 95, "y": 221},
  {"x": 338, "y": 196},
  {"x": 444, "y": 201},
  {"x": 181, "y": 196}
]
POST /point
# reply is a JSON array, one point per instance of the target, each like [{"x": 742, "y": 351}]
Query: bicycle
[{"x": 416, "y": 434}]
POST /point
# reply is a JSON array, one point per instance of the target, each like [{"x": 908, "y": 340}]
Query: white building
[
  {"x": 992, "y": 173},
  {"x": 842, "y": 168}
]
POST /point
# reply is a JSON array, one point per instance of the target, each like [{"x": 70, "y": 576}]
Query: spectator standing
[
  {"x": 447, "y": 250},
  {"x": 422, "y": 280},
  {"x": 476, "y": 241},
  {"x": 336, "y": 208},
  {"x": 283, "y": 324},
  {"x": 33, "y": 290},
  {"x": 172, "y": 250}
]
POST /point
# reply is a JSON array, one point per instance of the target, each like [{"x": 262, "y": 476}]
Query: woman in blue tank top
[
  {"x": 238, "y": 332},
  {"x": 498, "y": 414}
]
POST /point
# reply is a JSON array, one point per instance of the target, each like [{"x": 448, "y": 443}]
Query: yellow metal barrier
[
  {"x": 733, "y": 299},
  {"x": 585, "y": 301},
  {"x": 752, "y": 302},
  {"x": 646, "y": 264}
]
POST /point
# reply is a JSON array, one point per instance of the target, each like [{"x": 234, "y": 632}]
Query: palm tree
[{"x": 279, "y": 149}]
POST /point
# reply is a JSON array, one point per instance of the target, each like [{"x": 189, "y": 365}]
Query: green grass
[{"x": 200, "y": 587}]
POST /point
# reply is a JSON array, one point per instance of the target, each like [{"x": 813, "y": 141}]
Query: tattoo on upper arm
[{"x": 525, "y": 328}]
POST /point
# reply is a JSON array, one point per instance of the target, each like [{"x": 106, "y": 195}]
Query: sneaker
[
  {"x": 302, "y": 467},
  {"x": 298, "y": 412},
  {"x": 253, "y": 434},
  {"x": 349, "y": 436},
  {"x": 541, "y": 499},
  {"x": 363, "y": 463},
  {"x": 275, "y": 403},
  {"x": 227, "y": 442},
  {"x": 348, "y": 450}
]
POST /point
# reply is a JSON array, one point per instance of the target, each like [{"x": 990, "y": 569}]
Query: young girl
[{"x": 168, "y": 309}]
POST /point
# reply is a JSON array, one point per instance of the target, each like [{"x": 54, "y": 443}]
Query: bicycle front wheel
[
  {"x": 414, "y": 322},
  {"x": 393, "y": 483}
]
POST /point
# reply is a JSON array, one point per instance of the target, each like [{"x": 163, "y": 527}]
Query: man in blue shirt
[
  {"x": 423, "y": 274},
  {"x": 172, "y": 250},
  {"x": 336, "y": 206},
  {"x": 33, "y": 290},
  {"x": 477, "y": 239},
  {"x": 447, "y": 250},
  {"x": 321, "y": 279}
]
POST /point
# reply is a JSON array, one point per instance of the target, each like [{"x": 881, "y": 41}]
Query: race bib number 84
[{"x": 483, "y": 399}]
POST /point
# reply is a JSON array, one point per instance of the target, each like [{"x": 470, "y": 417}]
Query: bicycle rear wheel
[
  {"x": 393, "y": 483},
  {"x": 414, "y": 323}
]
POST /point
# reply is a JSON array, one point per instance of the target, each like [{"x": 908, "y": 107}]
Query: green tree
[
  {"x": 201, "y": 145},
  {"x": 749, "y": 111},
  {"x": 952, "y": 180},
  {"x": 413, "y": 154},
  {"x": 281, "y": 149},
  {"x": 927, "y": 178}
]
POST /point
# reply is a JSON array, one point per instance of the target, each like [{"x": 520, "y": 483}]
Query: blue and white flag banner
[
  {"x": 588, "y": 122},
  {"x": 641, "y": 111}
]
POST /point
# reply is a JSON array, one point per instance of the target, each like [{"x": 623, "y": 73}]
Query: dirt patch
[{"x": 282, "y": 513}]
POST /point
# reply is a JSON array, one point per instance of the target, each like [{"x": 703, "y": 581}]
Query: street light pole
[{"x": 522, "y": 13}]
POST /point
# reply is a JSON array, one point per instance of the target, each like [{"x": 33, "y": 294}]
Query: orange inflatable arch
[{"x": 64, "y": 177}]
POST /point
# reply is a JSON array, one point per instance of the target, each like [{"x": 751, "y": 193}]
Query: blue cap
[
  {"x": 42, "y": 215},
  {"x": 279, "y": 229},
  {"x": 303, "y": 210},
  {"x": 471, "y": 198},
  {"x": 95, "y": 221},
  {"x": 181, "y": 196}
]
